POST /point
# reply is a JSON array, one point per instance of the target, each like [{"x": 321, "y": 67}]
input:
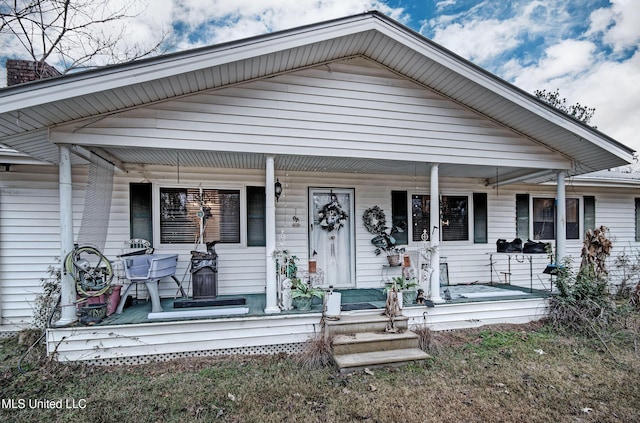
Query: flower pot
[
  {"x": 394, "y": 260},
  {"x": 302, "y": 303},
  {"x": 114, "y": 299},
  {"x": 98, "y": 310}
]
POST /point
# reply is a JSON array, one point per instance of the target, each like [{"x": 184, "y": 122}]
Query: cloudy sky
[{"x": 586, "y": 48}]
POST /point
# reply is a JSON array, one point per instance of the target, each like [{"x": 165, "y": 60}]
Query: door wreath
[{"x": 332, "y": 217}]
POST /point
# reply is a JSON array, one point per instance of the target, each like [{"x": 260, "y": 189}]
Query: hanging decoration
[
  {"x": 374, "y": 220},
  {"x": 332, "y": 217}
]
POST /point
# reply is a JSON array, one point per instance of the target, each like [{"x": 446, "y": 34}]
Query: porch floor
[{"x": 352, "y": 299}]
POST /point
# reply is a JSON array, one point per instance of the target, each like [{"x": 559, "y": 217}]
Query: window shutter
[{"x": 480, "y": 214}]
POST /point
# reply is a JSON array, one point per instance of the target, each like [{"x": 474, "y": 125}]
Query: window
[
  {"x": 256, "y": 214},
  {"x": 399, "y": 216},
  {"x": 544, "y": 218},
  {"x": 589, "y": 213},
  {"x": 522, "y": 216},
  {"x": 183, "y": 209},
  {"x": 140, "y": 221},
  {"x": 480, "y": 217},
  {"x": 638, "y": 219},
  {"x": 455, "y": 218},
  {"x": 573, "y": 219},
  {"x": 420, "y": 206},
  {"x": 455, "y": 215}
]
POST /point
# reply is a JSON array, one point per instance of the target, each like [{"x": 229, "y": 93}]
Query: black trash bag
[
  {"x": 533, "y": 247},
  {"x": 515, "y": 246}
]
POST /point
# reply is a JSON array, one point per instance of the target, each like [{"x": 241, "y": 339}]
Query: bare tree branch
[{"x": 73, "y": 33}]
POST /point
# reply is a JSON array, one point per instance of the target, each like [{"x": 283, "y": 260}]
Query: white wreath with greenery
[
  {"x": 332, "y": 217},
  {"x": 375, "y": 220}
]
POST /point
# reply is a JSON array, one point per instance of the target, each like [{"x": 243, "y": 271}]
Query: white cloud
[
  {"x": 490, "y": 30},
  {"x": 216, "y": 21},
  {"x": 618, "y": 24},
  {"x": 565, "y": 60},
  {"x": 560, "y": 57},
  {"x": 478, "y": 41}
]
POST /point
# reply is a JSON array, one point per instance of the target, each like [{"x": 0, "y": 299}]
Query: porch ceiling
[
  {"x": 27, "y": 111},
  {"x": 325, "y": 164}
]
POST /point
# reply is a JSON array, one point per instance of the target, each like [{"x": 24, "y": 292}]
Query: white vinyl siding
[
  {"x": 352, "y": 108},
  {"x": 29, "y": 227}
]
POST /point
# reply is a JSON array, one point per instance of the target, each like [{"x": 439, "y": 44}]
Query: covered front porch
[{"x": 133, "y": 338}]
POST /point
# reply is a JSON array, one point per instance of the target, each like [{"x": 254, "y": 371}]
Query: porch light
[{"x": 278, "y": 189}]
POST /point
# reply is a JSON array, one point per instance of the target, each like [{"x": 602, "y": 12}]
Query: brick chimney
[{"x": 21, "y": 71}]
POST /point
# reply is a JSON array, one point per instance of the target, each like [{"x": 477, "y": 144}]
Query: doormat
[
  {"x": 209, "y": 302},
  {"x": 358, "y": 306},
  {"x": 189, "y": 314}
]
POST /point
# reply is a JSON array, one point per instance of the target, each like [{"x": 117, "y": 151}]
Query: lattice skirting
[{"x": 295, "y": 348}]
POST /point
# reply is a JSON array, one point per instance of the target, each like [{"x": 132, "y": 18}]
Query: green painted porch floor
[{"x": 358, "y": 298}]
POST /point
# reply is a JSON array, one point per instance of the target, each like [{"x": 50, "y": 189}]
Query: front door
[{"x": 332, "y": 234}]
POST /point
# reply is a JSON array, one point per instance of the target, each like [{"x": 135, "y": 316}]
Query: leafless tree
[{"x": 72, "y": 34}]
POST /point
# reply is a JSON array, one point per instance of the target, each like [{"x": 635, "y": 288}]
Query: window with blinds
[
  {"x": 420, "y": 209},
  {"x": 544, "y": 218},
  {"x": 455, "y": 218},
  {"x": 183, "y": 209}
]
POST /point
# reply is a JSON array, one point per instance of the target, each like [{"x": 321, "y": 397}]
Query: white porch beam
[
  {"x": 68, "y": 286},
  {"x": 434, "y": 236},
  {"x": 561, "y": 219},
  {"x": 86, "y": 154},
  {"x": 270, "y": 225}
]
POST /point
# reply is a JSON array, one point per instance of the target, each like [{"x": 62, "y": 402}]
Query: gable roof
[{"x": 28, "y": 110}]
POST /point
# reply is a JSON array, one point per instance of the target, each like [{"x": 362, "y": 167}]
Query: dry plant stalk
[
  {"x": 319, "y": 352},
  {"x": 595, "y": 250}
]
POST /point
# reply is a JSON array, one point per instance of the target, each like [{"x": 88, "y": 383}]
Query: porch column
[
  {"x": 561, "y": 220},
  {"x": 434, "y": 236},
  {"x": 68, "y": 286},
  {"x": 270, "y": 244}
]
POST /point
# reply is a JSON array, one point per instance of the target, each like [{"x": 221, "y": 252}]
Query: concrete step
[
  {"x": 364, "y": 323},
  {"x": 348, "y": 363},
  {"x": 373, "y": 341}
]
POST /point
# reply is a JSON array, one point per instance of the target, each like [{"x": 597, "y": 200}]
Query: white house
[{"x": 361, "y": 108}]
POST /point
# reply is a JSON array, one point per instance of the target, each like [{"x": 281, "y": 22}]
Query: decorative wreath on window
[
  {"x": 331, "y": 217},
  {"x": 374, "y": 220}
]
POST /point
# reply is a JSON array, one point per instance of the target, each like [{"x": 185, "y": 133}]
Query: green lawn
[{"x": 526, "y": 373}]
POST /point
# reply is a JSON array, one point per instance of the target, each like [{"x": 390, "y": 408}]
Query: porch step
[
  {"x": 348, "y": 363},
  {"x": 364, "y": 323},
  {"x": 360, "y": 341},
  {"x": 364, "y": 342}
]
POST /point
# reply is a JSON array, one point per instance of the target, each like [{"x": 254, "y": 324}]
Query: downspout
[
  {"x": 68, "y": 286},
  {"x": 270, "y": 241},
  {"x": 561, "y": 220},
  {"x": 434, "y": 236}
]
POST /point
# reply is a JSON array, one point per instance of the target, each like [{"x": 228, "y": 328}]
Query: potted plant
[
  {"x": 386, "y": 242},
  {"x": 302, "y": 294},
  {"x": 406, "y": 286}
]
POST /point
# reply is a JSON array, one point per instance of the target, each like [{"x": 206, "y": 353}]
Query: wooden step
[
  {"x": 348, "y": 363},
  {"x": 373, "y": 341},
  {"x": 364, "y": 323}
]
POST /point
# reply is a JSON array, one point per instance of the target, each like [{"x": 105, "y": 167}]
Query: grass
[{"x": 529, "y": 373}]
